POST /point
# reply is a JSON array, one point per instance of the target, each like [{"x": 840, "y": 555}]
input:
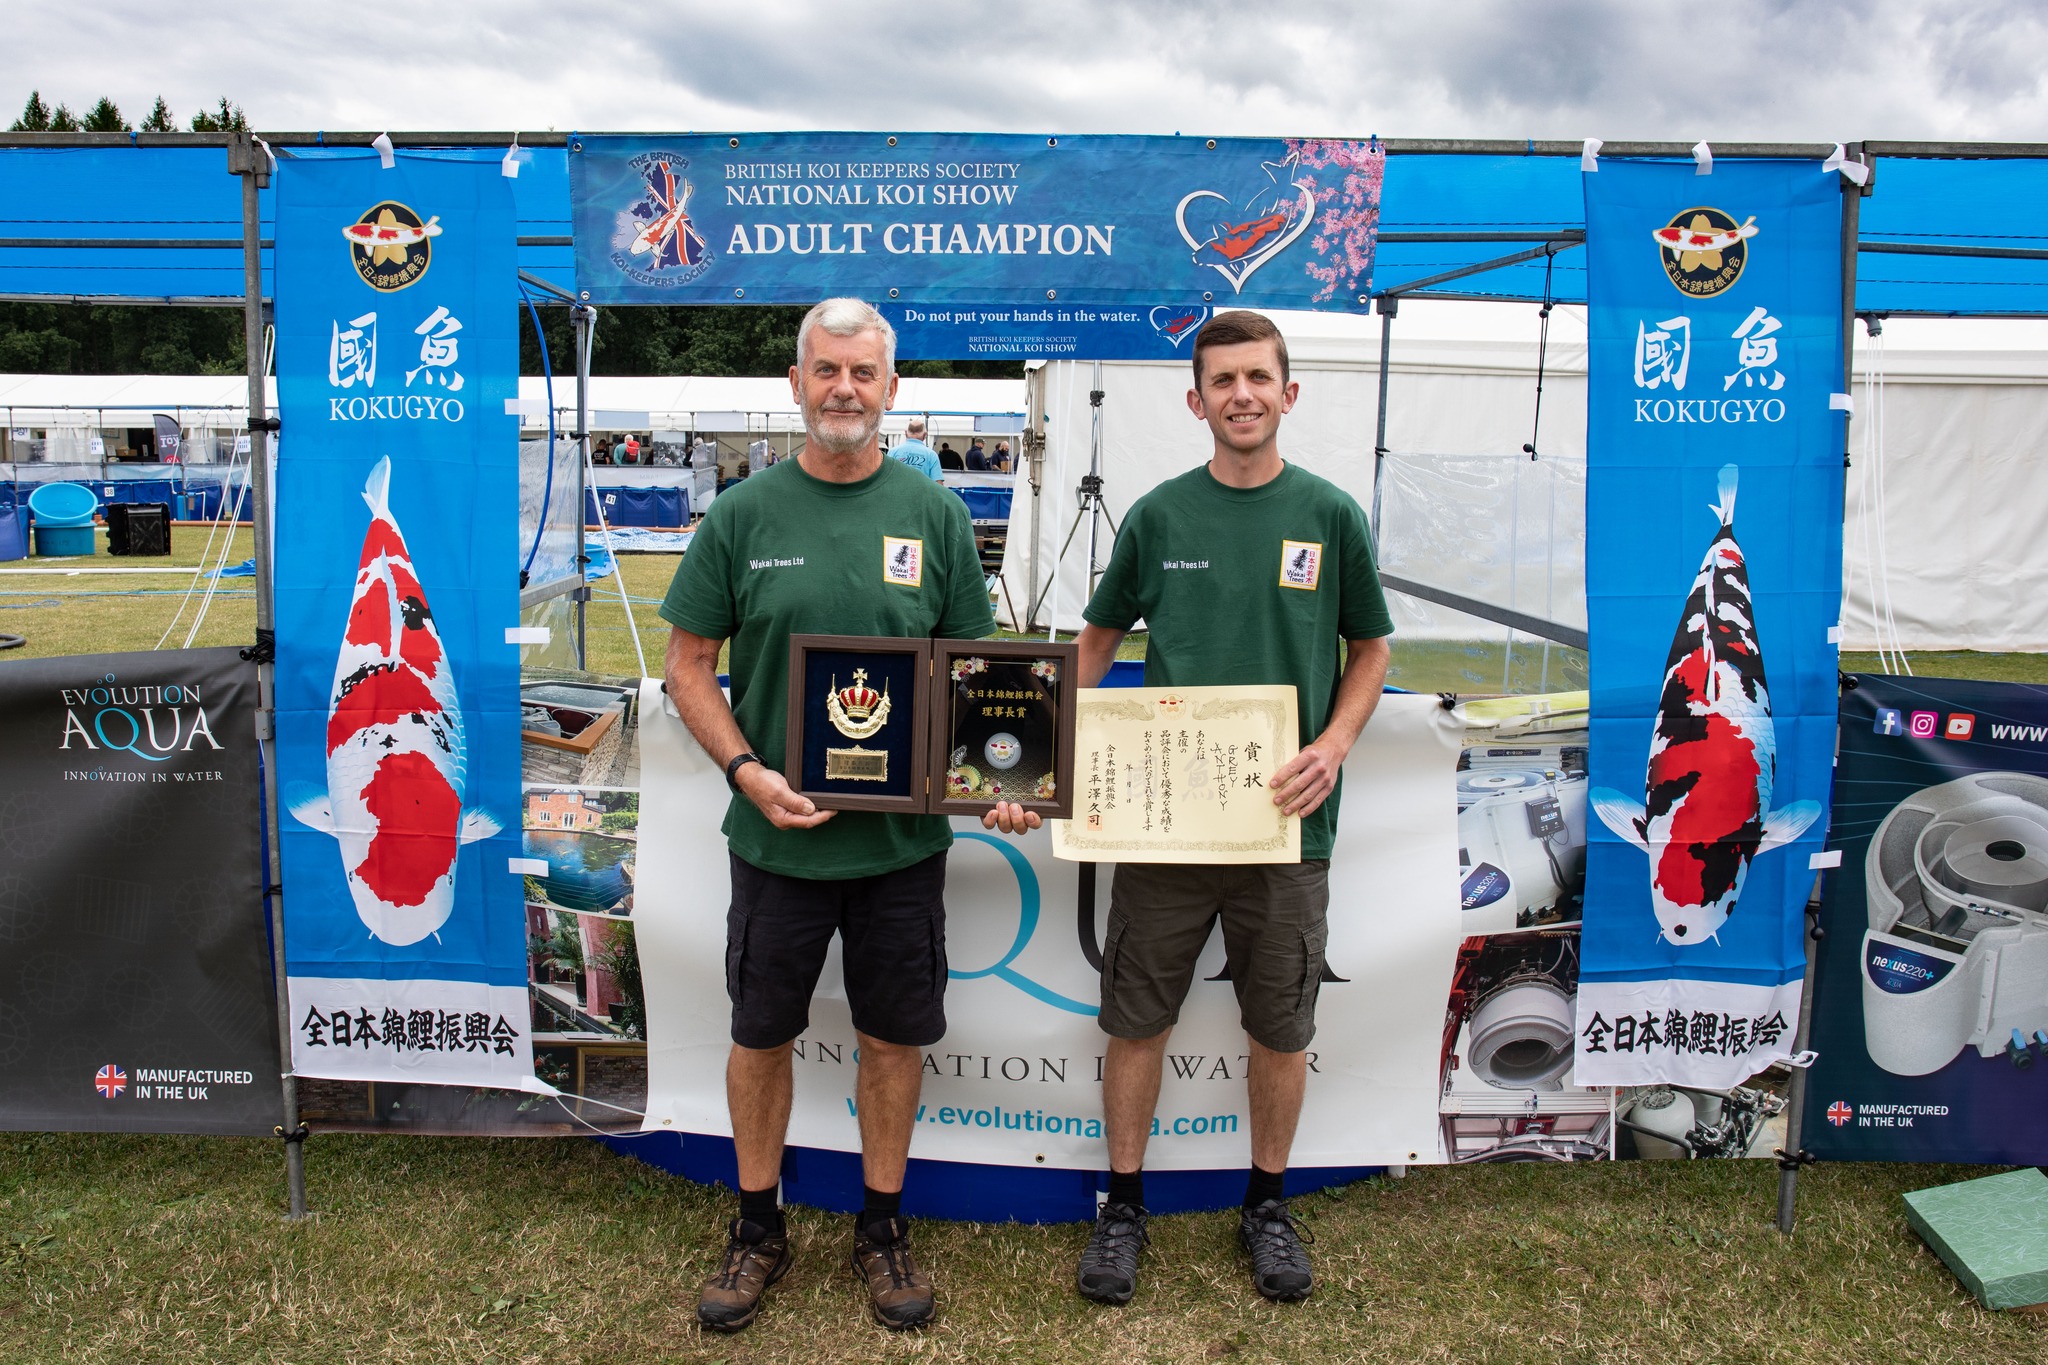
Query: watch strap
[{"x": 739, "y": 760}]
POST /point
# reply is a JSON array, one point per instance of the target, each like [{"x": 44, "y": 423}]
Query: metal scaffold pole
[
  {"x": 1793, "y": 1154},
  {"x": 251, "y": 161}
]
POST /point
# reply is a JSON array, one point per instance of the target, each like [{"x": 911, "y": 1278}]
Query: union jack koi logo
[
  {"x": 1840, "y": 1113},
  {"x": 110, "y": 1081},
  {"x": 396, "y": 758},
  {"x": 669, "y": 234},
  {"x": 1713, "y": 754}
]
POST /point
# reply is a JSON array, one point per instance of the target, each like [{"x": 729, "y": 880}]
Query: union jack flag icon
[
  {"x": 110, "y": 1081},
  {"x": 669, "y": 233},
  {"x": 1840, "y": 1113}
]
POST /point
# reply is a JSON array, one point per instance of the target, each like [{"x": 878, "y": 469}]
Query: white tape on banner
[
  {"x": 527, "y": 867},
  {"x": 1841, "y": 402},
  {"x": 509, "y": 167},
  {"x": 1703, "y": 158},
  {"x": 1589, "y": 158},
  {"x": 527, "y": 635},
  {"x": 1834, "y": 635},
  {"x": 1838, "y": 160},
  {"x": 387, "y": 156},
  {"x": 1825, "y": 859},
  {"x": 526, "y": 407}
]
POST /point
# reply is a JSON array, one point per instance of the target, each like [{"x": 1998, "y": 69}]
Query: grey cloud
[{"x": 1737, "y": 69}]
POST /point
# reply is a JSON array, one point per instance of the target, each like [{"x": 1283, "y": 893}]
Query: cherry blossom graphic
[{"x": 1345, "y": 179}]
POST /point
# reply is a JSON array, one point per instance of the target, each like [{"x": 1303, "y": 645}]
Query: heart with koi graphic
[
  {"x": 1177, "y": 324},
  {"x": 1234, "y": 236}
]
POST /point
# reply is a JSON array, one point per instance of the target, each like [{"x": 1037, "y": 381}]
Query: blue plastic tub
[
  {"x": 60, "y": 505},
  {"x": 54, "y": 541}
]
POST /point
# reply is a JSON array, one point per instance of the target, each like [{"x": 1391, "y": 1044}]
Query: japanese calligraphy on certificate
[{"x": 1179, "y": 775}]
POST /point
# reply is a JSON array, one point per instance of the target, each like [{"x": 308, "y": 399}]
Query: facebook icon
[{"x": 1889, "y": 722}]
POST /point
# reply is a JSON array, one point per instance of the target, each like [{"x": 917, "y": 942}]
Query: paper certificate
[{"x": 1179, "y": 775}]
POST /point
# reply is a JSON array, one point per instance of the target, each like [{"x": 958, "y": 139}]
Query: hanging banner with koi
[
  {"x": 397, "y": 681},
  {"x": 1713, "y": 573},
  {"x": 1068, "y": 224}
]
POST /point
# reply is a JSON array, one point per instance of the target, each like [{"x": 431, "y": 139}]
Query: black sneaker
[
  {"x": 1280, "y": 1266},
  {"x": 754, "y": 1259},
  {"x": 1109, "y": 1264}
]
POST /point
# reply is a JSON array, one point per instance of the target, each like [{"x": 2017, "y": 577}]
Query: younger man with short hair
[{"x": 1246, "y": 570}]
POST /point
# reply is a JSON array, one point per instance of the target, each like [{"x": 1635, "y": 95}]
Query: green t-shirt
[
  {"x": 1248, "y": 585},
  {"x": 783, "y": 554}
]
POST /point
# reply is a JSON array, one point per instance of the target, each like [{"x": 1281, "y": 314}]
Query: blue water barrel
[
  {"x": 63, "y": 504},
  {"x": 13, "y": 532}
]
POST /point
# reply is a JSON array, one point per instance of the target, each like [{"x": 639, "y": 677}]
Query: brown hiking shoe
[
  {"x": 753, "y": 1261},
  {"x": 899, "y": 1294}
]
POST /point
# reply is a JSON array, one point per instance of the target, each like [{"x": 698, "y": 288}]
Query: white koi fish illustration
[{"x": 391, "y": 234}]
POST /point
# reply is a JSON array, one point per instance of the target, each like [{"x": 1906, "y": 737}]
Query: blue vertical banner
[
  {"x": 397, "y": 686},
  {"x": 1713, "y": 583}
]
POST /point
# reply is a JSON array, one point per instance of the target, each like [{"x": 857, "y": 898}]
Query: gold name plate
[{"x": 857, "y": 765}]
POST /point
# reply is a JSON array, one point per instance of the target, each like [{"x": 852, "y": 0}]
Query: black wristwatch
[{"x": 739, "y": 761}]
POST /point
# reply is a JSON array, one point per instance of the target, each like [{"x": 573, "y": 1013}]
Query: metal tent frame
[{"x": 251, "y": 159}]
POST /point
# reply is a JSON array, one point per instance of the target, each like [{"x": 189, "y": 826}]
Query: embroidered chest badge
[
  {"x": 903, "y": 561},
  {"x": 1301, "y": 564}
]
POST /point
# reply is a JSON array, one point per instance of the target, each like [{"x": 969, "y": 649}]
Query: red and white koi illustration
[
  {"x": 1713, "y": 754},
  {"x": 1677, "y": 239},
  {"x": 396, "y": 761},
  {"x": 391, "y": 234}
]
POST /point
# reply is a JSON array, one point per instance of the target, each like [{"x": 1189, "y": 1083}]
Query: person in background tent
[
  {"x": 977, "y": 457},
  {"x": 622, "y": 451},
  {"x": 1284, "y": 557},
  {"x": 801, "y": 548},
  {"x": 949, "y": 458},
  {"x": 912, "y": 450},
  {"x": 1000, "y": 461}
]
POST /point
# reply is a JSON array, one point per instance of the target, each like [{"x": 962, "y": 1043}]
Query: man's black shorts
[{"x": 893, "y": 932}]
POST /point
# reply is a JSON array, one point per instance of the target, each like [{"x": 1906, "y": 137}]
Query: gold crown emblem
[
  {"x": 857, "y": 711},
  {"x": 859, "y": 700}
]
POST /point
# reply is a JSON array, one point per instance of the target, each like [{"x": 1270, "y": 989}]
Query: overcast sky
[{"x": 1816, "y": 70}]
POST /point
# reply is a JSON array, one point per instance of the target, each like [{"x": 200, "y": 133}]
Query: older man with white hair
[{"x": 799, "y": 548}]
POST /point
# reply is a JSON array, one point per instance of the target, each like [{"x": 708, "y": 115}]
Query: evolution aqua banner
[
  {"x": 137, "y": 981},
  {"x": 1017, "y": 1080},
  {"x": 398, "y": 706},
  {"x": 1713, "y": 583},
  {"x": 976, "y": 218},
  {"x": 1044, "y": 331},
  {"x": 1930, "y": 1009}
]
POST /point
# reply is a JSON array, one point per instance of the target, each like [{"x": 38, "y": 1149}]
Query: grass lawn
[{"x": 556, "y": 1250}]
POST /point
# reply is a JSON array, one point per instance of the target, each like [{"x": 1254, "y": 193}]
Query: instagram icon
[{"x": 1924, "y": 724}]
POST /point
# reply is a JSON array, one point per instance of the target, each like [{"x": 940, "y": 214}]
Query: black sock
[
  {"x": 1263, "y": 1187},
  {"x": 1127, "y": 1189},
  {"x": 763, "y": 1208},
  {"x": 877, "y": 1207}
]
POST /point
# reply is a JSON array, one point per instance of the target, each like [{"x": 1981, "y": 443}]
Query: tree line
[
  {"x": 105, "y": 117},
  {"x": 53, "y": 338}
]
